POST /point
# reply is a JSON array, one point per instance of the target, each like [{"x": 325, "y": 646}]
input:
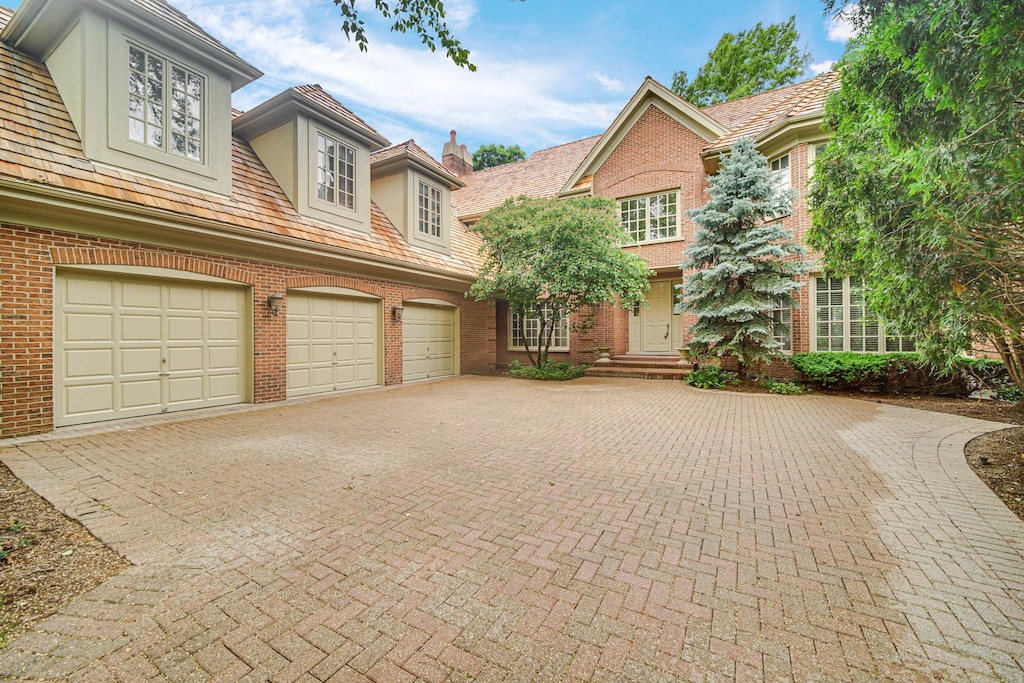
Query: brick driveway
[{"x": 496, "y": 530}]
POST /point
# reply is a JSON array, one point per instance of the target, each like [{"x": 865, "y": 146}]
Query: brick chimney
[{"x": 456, "y": 158}]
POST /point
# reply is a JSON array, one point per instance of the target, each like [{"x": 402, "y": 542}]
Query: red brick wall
[{"x": 27, "y": 264}]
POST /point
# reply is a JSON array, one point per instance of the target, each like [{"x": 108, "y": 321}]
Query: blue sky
[{"x": 549, "y": 71}]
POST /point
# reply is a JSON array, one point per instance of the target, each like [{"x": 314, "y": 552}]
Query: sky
[{"x": 548, "y": 71}]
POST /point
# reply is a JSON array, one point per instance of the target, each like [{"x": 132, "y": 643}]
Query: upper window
[
  {"x": 165, "y": 104},
  {"x": 335, "y": 172},
  {"x": 654, "y": 217},
  {"x": 843, "y": 321},
  {"x": 780, "y": 172},
  {"x": 429, "y": 210},
  {"x": 524, "y": 331}
]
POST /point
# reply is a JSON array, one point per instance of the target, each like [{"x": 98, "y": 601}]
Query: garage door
[
  {"x": 125, "y": 348},
  {"x": 428, "y": 348},
  {"x": 333, "y": 343}
]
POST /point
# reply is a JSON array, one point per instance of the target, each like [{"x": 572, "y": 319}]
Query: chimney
[{"x": 456, "y": 158}]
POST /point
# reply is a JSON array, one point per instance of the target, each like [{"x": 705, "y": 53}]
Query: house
[
  {"x": 160, "y": 251},
  {"x": 653, "y": 161}
]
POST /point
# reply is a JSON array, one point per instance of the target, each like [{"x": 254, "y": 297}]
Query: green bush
[
  {"x": 558, "y": 372},
  {"x": 775, "y": 386},
  {"x": 711, "y": 377}
]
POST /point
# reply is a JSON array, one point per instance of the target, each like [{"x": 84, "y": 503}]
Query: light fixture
[
  {"x": 396, "y": 313},
  {"x": 274, "y": 303}
]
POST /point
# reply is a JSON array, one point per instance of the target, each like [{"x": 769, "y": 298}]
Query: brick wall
[{"x": 27, "y": 265}]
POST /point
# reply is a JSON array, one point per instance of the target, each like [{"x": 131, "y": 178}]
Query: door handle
[{"x": 668, "y": 329}]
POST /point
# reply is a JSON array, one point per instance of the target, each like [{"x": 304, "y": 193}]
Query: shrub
[
  {"x": 711, "y": 377},
  {"x": 775, "y": 386},
  {"x": 558, "y": 372}
]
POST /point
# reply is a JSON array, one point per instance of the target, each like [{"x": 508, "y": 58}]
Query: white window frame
[
  {"x": 192, "y": 109},
  {"x": 343, "y": 172},
  {"x": 812, "y": 156},
  {"x": 637, "y": 214},
  {"x": 839, "y": 310},
  {"x": 562, "y": 332},
  {"x": 782, "y": 327},
  {"x": 781, "y": 169},
  {"x": 429, "y": 205}
]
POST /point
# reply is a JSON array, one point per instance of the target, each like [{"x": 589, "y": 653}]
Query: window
[
  {"x": 524, "y": 330},
  {"x": 165, "y": 105},
  {"x": 335, "y": 172},
  {"x": 780, "y": 172},
  {"x": 782, "y": 319},
  {"x": 843, "y": 322},
  {"x": 654, "y": 217},
  {"x": 429, "y": 210}
]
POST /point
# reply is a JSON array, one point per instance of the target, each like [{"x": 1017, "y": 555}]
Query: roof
[
  {"x": 548, "y": 172},
  {"x": 322, "y": 99},
  {"x": 410, "y": 150},
  {"x": 39, "y": 145},
  {"x": 542, "y": 174}
]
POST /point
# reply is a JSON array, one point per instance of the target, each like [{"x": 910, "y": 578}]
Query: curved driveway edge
[{"x": 490, "y": 529}]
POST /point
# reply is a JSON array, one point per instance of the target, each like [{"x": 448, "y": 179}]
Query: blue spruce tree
[{"x": 742, "y": 263}]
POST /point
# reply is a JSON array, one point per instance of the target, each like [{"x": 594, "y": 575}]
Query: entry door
[{"x": 656, "y": 319}]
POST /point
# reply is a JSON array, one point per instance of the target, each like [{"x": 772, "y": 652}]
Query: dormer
[
  {"x": 318, "y": 152},
  {"x": 415, "y": 192},
  {"x": 147, "y": 89}
]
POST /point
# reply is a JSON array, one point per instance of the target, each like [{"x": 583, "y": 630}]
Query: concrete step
[
  {"x": 678, "y": 372},
  {"x": 641, "y": 362}
]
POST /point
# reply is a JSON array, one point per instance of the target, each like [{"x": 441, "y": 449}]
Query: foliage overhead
[
  {"x": 742, "y": 262},
  {"x": 489, "y": 156},
  {"x": 551, "y": 258},
  {"x": 921, "y": 192},
  {"x": 425, "y": 18},
  {"x": 746, "y": 63}
]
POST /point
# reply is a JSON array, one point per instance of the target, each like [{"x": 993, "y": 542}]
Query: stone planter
[
  {"x": 604, "y": 355},
  {"x": 684, "y": 355}
]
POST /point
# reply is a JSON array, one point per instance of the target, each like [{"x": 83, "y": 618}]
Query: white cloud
[
  {"x": 822, "y": 67},
  {"x": 842, "y": 26},
  {"x": 401, "y": 90},
  {"x": 459, "y": 13},
  {"x": 610, "y": 84}
]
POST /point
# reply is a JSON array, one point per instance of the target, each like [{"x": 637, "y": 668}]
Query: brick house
[
  {"x": 162, "y": 252},
  {"x": 653, "y": 160}
]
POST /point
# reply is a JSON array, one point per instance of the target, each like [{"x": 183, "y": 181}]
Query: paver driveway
[{"x": 488, "y": 529}]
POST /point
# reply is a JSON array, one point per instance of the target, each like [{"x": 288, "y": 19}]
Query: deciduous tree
[
  {"x": 746, "y": 63},
  {"x": 489, "y": 156},
  {"x": 742, "y": 262},
  {"x": 921, "y": 192},
  {"x": 551, "y": 258}
]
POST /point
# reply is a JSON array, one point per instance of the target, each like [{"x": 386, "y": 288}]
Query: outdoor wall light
[
  {"x": 396, "y": 313},
  {"x": 274, "y": 303}
]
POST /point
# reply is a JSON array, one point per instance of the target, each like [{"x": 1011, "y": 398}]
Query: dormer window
[
  {"x": 165, "y": 104},
  {"x": 429, "y": 210},
  {"x": 335, "y": 172}
]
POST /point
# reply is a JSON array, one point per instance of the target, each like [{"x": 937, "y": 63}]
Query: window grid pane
[
  {"x": 165, "y": 105},
  {"x": 780, "y": 172},
  {"x": 335, "y": 172},
  {"x": 843, "y": 321},
  {"x": 429, "y": 210},
  {"x": 524, "y": 330},
  {"x": 782, "y": 318},
  {"x": 654, "y": 217}
]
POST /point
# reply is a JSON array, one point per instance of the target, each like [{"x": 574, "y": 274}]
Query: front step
[{"x": 641, "y": 367}]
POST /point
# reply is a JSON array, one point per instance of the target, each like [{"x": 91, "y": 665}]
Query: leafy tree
[
  {"x": 746, "y": 63},
  {"x": 921, "y": 192},
  {"x": 489, "y": 156},
  {"x": 742, "y": 261},
  {"x": 426, "y": 18},
  {"x": 551, "y": 258}
]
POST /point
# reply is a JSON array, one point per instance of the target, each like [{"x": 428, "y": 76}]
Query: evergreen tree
[{"x": 743, "y": 262}]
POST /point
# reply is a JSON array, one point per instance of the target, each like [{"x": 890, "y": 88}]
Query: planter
[
  {"x": 684, "y": 355},
  {"x": 604, "y": 355}
]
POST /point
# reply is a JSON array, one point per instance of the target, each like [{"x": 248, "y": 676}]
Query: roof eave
[
  {"x": 284, "y": 107},
  {"x": 404, "y": 159}
]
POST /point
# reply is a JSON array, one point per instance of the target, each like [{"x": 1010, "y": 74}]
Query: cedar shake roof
[
  {"x": 323, "y": 100},
  {"x": 543, "y": 174},
  {"x": 409, "y": 148},
  {"x": 39, "y": 145}
]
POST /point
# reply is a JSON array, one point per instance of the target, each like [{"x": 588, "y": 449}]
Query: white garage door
[
  {"x": 126, "y": 347},
  {"x": 428, "y": 346},
  {"x": 333, "y": 343}
]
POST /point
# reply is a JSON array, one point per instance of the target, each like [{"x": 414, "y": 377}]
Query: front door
[{"x": 651, "y": 328}]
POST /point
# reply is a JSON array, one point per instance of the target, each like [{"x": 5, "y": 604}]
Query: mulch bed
[{"x": 47, "y": 559}]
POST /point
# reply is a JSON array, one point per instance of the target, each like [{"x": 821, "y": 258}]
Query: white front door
[
  {"x": 127, "y": 347},
  {"x": 650, "y": 329}
]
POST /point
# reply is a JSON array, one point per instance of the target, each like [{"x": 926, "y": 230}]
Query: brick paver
[{"x": 488, "y": 529}]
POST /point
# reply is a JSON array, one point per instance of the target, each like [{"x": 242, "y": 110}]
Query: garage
[
  {"x": 333, "y": 343},
  {"x": 428, "y": 341},
  {"x": 126, "y": 347}
]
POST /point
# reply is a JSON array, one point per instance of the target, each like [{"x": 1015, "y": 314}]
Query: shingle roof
[
  {"x": 410, "y": 148},
  {"x": 543, "y": 174},
  {"x": 39, "y": 144},
  {"x": 321, "y": 98}
]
